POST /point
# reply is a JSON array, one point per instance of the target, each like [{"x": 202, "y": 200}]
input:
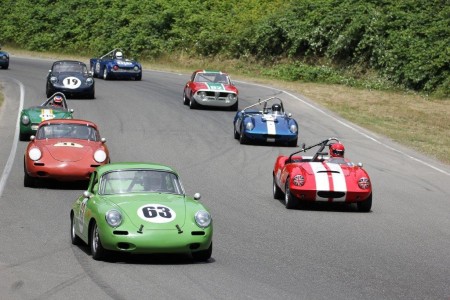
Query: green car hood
[
  {"x": 38, "y": 114},
  {"x": 154, "y": 211}
]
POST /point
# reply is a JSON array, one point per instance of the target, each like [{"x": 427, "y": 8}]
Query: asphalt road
[{"x": 400, "y": 250}]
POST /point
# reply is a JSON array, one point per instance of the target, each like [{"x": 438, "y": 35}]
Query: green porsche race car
[
  {"x": 54, "y": 107},
  {"x": 140, "y": 208}
]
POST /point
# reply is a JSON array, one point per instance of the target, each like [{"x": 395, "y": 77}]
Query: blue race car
[
  {"x": 4, "y": 59},
  {"x": 71, "y": 78},
  {"x": 271, "y": 124},
  {"x": 114, "y": 65}
]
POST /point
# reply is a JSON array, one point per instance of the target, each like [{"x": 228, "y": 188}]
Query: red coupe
[
  {"x": 64, "y": 150},
  {"x": 325, "y": 176},
  {"x": 210, "y": 88}
]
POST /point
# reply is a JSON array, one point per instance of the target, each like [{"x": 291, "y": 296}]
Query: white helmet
[{"x": 119, "y": 55}]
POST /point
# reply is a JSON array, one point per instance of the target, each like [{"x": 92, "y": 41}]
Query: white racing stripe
[
  {"x": 323, "y": 181},
  {"x": 271, "y": 128},
  {"x": 340, "y": 185},
  {"x": 321, "y": 177}
]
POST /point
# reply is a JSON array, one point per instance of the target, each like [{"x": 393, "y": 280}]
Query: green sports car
[
  {"x": 140, "y": 208},
  {"x": 31, "y": 117}
]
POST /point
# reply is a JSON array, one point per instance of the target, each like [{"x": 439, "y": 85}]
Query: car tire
[
  {"x": 290, "y": 201},
  {"x": 105, "y": 73},
  {"x": 48, "y": 92},
  {"x": 75, "y": 239},
  {"x": 236, "y": 134},
  {"x": 293, "y": 143},
  {"x": 28, "y": 181},
  {"x": 139, "y": 77},
  {"x": 242, "y": 138},
  {"x": 91, "y": 95},
  {"x": 185, "y": 99},
  {"x": 97, "y": 250},
  {"x": 203, "y": 255},
  {"x": 234, "y": 107},
  {"x": 365, "y": 205},
  {"x": 93, "y": 72},
  {"x": 192, "y": 104},
  {"x": 277, "y": 192},
  {"x": 23, "y": 137}
]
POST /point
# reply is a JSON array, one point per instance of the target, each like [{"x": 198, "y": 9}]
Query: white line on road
[{"x": 12, "y": 154}]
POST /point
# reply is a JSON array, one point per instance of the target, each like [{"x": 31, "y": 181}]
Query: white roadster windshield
[{"x": 140, "y": 181}]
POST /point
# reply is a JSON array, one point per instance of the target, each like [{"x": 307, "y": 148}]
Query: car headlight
[
  {"x": 298, "y": 180},
  {"x": 203, "y": 218},
  {"x": 25, "y": 120},
  {"x": 113, "y": 218},
  {"x": 53, "y": 79},
  {"x": 249, "y": 126},
  {"x": 100, "y": 156},
  {"x": 293, "y": 128},
  {"x": 89, "y": 81},
  {"x": 34, "y": 154},
  {"x": 364, "y": 183},
  {"x": 136, "y": 68},
  {"x": 202, "y": 95},
  {"x": 232, "y": 97}
]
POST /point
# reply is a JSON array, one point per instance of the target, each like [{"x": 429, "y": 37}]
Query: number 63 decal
[{"x": 156, "y": 213}]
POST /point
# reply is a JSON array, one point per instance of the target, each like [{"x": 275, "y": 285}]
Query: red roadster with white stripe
[{"x": 321, "y": 177}]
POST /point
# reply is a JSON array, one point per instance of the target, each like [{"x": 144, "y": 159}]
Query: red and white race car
[
  {"x": 325, "y": 176},
  {"x": 210, "y": 88}
]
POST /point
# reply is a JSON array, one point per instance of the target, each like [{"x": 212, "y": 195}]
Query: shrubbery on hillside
[{"x": 406, "y": 42}]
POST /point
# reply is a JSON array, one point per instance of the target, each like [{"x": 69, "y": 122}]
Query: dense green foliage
[{"x": 406, "y": 42}]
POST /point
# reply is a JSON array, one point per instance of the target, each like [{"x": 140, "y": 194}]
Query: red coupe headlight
[
  {"x": 298, "y": 180},
  {"x": 100, "y": 156},
  {"x": 34, "y": 154},
  {"x": 364, "y": 183}
]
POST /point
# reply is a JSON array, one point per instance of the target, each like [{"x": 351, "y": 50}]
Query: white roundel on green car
[{"x": 156, "y": 213}]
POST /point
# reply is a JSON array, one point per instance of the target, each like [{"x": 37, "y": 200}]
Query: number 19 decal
[
  {"x": 71, "y": 82},
  {"x": 156, "y": 213}
]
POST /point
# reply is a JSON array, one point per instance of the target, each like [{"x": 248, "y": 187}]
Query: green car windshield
[{"x": 140, "y": 181}]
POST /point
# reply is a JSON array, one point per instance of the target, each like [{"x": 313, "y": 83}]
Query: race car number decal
[
  {"x": 156, "y": 213},
  {"x": 71, "y": 82},
  {"x": 216, "y": 86},
  {"x": 124, "y": 63},
  {"x": 46, "y": 114}
]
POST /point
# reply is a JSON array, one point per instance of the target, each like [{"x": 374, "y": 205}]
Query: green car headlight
[
  {"x": 113, "y": 218},
  {"x": 25, "y": 120},
  {"x": 202, "y": 218}
]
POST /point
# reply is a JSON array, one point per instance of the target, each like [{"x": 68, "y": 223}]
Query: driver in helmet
[
  {"x": 119, "y": 55},
  {"x": 57, "y": 101},
  {"x": 336, "y": 152},
  {"x": 276, "y": 109}
]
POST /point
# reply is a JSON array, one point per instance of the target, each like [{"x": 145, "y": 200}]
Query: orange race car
[{"x": 64, "y": 150}]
